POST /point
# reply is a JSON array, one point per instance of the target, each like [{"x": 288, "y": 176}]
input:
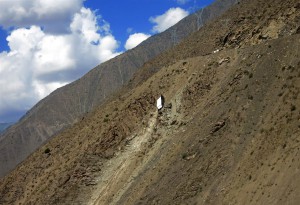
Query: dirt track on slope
[{"x": 229, "y": 133}]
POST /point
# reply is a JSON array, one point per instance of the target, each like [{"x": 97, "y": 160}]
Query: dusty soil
[
  {"x": 229, "y": 133},
  {"x": 66, "y": 105}
]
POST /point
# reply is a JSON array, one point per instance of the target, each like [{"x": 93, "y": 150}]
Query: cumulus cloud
[
  {"x": 168, "y": 19},
  {"x": 162, "y": 22},
  {"x": 52, "y": 43},
  {"x": 53, "y": 15},
  {"x": 39, "y": 62},
  {"x": 135, "y": 39}
]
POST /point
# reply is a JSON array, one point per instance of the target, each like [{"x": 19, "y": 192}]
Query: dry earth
[
  {"x": 229, "y": 133},
  {"x": 68, "y": 104}
]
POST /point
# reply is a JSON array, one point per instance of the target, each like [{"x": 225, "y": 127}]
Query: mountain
[
  {"x": 3, "y": 126},
  {"x": 67, "y": 105},
  {"x": 228, "y": 133}
]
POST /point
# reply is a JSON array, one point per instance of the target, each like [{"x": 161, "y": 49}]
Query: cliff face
[
  {"x": 66, "y": 105},
  {"x": 228, "y": 134}
]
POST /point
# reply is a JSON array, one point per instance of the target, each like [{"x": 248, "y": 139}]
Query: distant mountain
[
  {"x": 3, "y": 126},
  {"x": 66, "y": 105},
  {"x": 228, "y": 133}
]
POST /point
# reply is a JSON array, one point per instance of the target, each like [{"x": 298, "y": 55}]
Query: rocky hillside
[
  {"x": 228, "y": 134},
  {"x": 66, "y": 105},
  {"x": 4, "y": 126}
]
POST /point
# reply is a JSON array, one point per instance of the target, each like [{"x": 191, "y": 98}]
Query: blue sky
[
  {"x": 47, "y": 44},
  {"x": 135, "y": 14}
]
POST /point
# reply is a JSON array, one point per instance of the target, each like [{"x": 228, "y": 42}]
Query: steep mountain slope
[
  {"x": 229, "y": 133},
  {"x": 64, "y": 106},
  {"x": 4, "y": 126},
  {"x": 235, "y": 29}
]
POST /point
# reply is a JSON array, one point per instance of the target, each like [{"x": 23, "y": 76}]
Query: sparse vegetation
[
  {"x": 250, "y": 75},
  {"x": 184, "y": 156},
  {"x": 47, "y": 151},
  {"x": 224, "y": 135},
  {"x": 293, "y": 107}
]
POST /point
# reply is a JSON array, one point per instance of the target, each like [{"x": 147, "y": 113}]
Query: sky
[{"x": 46, "y": 44}]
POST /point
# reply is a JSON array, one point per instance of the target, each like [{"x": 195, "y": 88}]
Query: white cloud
[
  {"x": 135, "y": 39},
  {"x": 84, "y": 23},
  {"x": 39, "y": 62},
  {"x": 53, "y": 43},
  {"x": 54, "y": 15},
  {"x": 168, "y": 19}
]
